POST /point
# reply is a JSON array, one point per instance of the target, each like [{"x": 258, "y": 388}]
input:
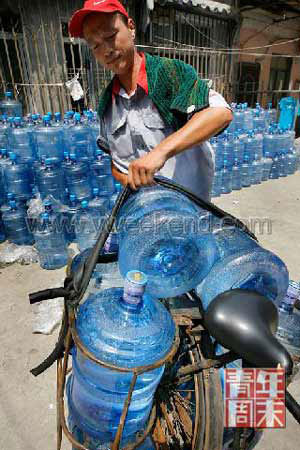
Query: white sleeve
[{"x": 216, "y": 100}]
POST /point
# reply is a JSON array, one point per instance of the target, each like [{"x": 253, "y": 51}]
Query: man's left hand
[{"x": 141, "y": 171}]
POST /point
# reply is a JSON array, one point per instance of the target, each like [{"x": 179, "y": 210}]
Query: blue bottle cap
[
  {"x": 12, "y": 156},
  {"x": 3, "y": 151},
  {"x": 8, "y": 94},
  {"x": 73, "y": 197},
  {"x": 84, "y": 204},
  {"x": 10, "y": 196},
  {"x": 57, "y": 115},
  {"x": 17, "y": 119},
  {"x": 77, "y": 116},
  {"x": 12, "y": 204},
  {"x": 66, "y": 154},
  {"x": 73, "y": 156},
  {"x": 47, "y": 203},
  {"x": 48, "y": 161},
  {"x": 44, "y": 216},
  {"x": 95, "y": 191}
]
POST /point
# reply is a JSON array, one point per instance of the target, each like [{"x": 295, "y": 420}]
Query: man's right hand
[{"x": 119, "y": 176}]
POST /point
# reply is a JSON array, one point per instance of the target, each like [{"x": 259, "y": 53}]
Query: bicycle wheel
[{"x": 190, "y": 414}]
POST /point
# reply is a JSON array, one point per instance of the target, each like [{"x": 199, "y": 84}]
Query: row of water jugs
[
  {"x": 59, "y": 163},
  {"x": 247, "y": 119},
  {"x": 242, "y": 160}
]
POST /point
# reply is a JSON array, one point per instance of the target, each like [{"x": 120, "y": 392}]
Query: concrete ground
[{"x": 27, "y": 404}]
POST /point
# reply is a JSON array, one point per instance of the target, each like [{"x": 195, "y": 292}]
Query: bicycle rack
[{"x": 62, "y": 372}]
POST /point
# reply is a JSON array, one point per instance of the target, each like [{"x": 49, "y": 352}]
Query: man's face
[{"x": 111, "y": 40}]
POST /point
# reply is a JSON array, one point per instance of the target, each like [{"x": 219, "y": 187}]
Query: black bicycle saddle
[{"x": 246, "y": 322}]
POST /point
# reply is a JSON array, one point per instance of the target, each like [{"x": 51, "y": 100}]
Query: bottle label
[{"x": 134, "y": 287}]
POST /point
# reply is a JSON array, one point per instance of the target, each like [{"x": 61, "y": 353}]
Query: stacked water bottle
[
  {"x": 57, "y": 159},
  {"x": 253, "y": 149}
]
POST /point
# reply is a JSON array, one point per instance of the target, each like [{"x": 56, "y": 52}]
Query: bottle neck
[{"x": 133, "y": 295}]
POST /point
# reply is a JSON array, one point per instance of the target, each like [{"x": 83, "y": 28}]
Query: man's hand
[{"x": 142, "y": 170}]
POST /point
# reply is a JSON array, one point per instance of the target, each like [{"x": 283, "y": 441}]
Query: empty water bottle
[
  {"x": 246, "y": 172},
  {"x": 269, "y": 144},
  {"x": 217, "y": 184},
  {"x": 15, "y": 225},
  {"x": 50, "y": 180},
  {"x": 256, "y": 170},
  {"x": 244, "y": 264},
  {"x": 165, "y": 235},
  {"x": 89, "y": 221},
  {"x": 288, "y": 331},
  {"x": 51, "y": 244},
  {"x": 125, "y": 328},
  {"x": 49, "y": 141},
  {"x": 267, "y": 165},
  {"x": 238, "y": 148},
  {"x": 78, "y": 179},
  {"x": 10, "y": 107},
  {"x": 78, "y": 139},
  {"x": 226, "y": 187},
  {"x": 274, "y": 172},
  {"x": 17, "y": 178},
  {"x": 236, "y": 177}
]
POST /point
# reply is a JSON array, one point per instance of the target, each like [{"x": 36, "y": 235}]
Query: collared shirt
[{"x": 132, "y": 127}]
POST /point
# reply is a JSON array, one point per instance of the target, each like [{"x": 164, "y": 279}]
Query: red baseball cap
[{"x": 90, "y": 6}]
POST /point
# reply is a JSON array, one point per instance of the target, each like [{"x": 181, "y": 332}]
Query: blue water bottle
[
  {"x": 50, "y": 244},
  {"x": 244, "y": 264},
  {"x": 15, "y": 225},
  {"x": 125, "y": 328},
  {"x": 10, "y": 107},
  {"x": 50, "y": 181},
  {"x": 17, "y": 178},
  {"x": 288, "y": 330},
  {"x": 165, "y": 235},
  {"x": 77, "y": 178}
]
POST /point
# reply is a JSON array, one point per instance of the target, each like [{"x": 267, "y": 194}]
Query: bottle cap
[
  {"x": 12, "y": 156},
  {"x": 73, "y": 197},
  {"x": 95, "y": 191},
  {"x": 8, "y": 94},
  {"x": 134, "y": 287},
  {"x": 44, "y": 216},
  {"x": 84, "y": 204},
  {"x": 12, "y": 203},
  {"x": 73, "y": 156}
]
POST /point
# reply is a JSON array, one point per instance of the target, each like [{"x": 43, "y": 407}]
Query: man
[{"x": 156, "y": 115}]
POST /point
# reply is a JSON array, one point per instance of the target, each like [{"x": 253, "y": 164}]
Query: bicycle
[{"x": 188, "y": 407}]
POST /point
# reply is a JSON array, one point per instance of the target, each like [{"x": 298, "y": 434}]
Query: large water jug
[
  {"x": 70, "y": 218},
  {"x": 274, "y": 172},
  {"x": 217, "y": 184},
  {"x": 2, "y": 230},
  {"x": 236, "y": 178},
  {"x": 77, "y": 178},
  {"x": 217, "y": 145},
  {"x": 51, "y": 244},
  {"x": 125, "y": 328},
  {"x": 15, "y": 225},
  {"x": 239, "y": 118},
  {"x": 78, "y": 139},
  {"x": 269, "y": 144},
  {"x": 282, "y": 165},
  {"x": 238, "y": 148},
  {"x": 250, "y": 146},
  {"x": 4, "y": 126},
  {"x": 10, "y": 107},
  {"x": 49, "y": 141},
  {"x": 248, "y": 118},
  {"x": 228, "y": 153},
  {"x": 4, "y": 159},
  {"x": 101, "y": 164},
  {"x": 244, "y": 264},
  {"x": 270, "y": 115},
  {"x": 226, "y": 178},
  {"x": 165, "y": 235},
  {"x": 89, "y": 221},
  {"x": 288, "y": 331},
  {"x": 291, "y": 162},
  {"x": 50, "y": 180},
  {"x": 17, "y": 178},
  {"x": 267, "y": 165},
  {"x": 246, "y": 172},
  {"x": 21, "y": 141},
  {"x": 256, "y": 170}
]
